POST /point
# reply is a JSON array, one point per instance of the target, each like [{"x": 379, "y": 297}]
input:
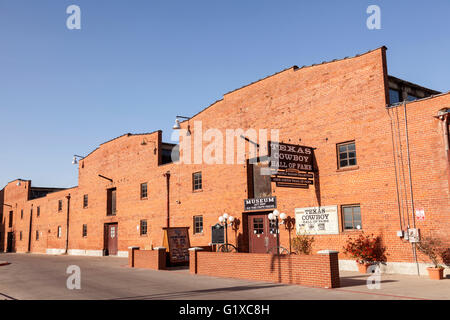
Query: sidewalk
[{"x": 397, "y": 285}]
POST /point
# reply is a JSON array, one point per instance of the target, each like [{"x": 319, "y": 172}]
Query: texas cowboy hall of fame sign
[
  {"x": 317, "y": 220},
  {"x": 291, "y": 165}
]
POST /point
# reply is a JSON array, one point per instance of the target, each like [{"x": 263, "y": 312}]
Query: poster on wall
[{"x": 317, "y": 220}]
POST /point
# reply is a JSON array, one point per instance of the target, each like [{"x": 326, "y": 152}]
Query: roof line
[{"x": 294, "y": 68}]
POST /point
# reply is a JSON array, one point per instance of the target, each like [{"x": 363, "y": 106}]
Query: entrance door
[
  {"x": 260, "y": 237},
  {"x": 9, "y": 242},
  {"x": 111, "y": 235}
]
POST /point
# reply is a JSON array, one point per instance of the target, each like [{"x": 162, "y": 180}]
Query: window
[
  {"x": 37, "y": 235},
  {"x": 59, "y": 232},
  {"x": 21, "y": 214},
  {"x": 20, "y": 235},
  {"x": 59, "y": 205},
  {"x": 38, "y": 211},
  {"x": 198, "y": 224},
  {"x": 411, "y": 97},
  {"x": 346, "y": 154},
  {"x": 111, "y": 198},
  {"x": 11, "y": 216},
  {"x": 143, "y": 190},
  {"x": 197, "y": 181},
  {"x": 143, "y": 227},
  {"x": 258, "y": 225},
  {"x": 84, "y": 230},
  {"x": 351, "y": 217},
  {"x": 85, "y": 201},
  {"x": 395, "y": 96}
]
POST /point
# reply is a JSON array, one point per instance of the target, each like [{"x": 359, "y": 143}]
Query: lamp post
[
  {"x": 274, "y": 217},
  {"x": 224, "y": 219},
  {"x": 75, "y": 160}
]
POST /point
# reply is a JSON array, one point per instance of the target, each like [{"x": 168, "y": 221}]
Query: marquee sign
[
  {"x": 284, "y": 156},
  {"x": 317, "y": 220}
]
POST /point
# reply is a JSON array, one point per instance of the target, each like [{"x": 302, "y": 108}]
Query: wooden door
[
  {"x": 111, "y": 237},
  {"x": 260, "y": 237}
]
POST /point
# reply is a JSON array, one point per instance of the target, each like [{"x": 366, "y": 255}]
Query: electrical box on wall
[
  {"x": 414, "y": 235},
  {"x": 400, "y": 233}
]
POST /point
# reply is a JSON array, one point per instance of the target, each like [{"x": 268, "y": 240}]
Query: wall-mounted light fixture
[
  {"x": 75, "y": 160},
  {"x": 177, "y": 126}
]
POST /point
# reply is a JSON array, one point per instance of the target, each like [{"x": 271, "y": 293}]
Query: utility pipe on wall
[{"x": 67, "y": 223}]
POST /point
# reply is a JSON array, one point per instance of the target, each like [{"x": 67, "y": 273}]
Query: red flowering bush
[{"x": 366, "y": 249}]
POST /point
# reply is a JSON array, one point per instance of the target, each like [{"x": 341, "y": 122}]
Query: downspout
[
  {"x": 67, "y": 224},
  {"x": 29, "y": 233},
  {"x": 413, "y": 244},
  {"x": 167, "y": 175},
  {"x": 394, "y": 153}
]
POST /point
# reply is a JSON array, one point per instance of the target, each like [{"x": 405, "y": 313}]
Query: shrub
[
  {"x": 302, "y": 244},
  {"x": 366, "y": 249},
  {"x": 432, "y": 248}
]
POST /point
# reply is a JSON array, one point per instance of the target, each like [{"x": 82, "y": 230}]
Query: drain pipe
[
  {"x": 413, "y": 244},
  {"x": 67, "y": 224},
  {"x": 167, "y": 175}
]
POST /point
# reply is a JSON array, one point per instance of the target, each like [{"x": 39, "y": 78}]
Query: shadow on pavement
[{"x": 178, "y": 295}]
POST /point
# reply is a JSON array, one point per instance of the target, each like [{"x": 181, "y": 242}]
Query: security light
[{"x": 176, "y": 126}]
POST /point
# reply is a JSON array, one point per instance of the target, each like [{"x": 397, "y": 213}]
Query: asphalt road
[{"x": 44, "y": 277}]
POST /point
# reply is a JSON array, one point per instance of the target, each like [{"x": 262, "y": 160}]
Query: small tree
[
  {"x": 432, "y": 248},
  {"x": 302, "y": 244},
  {"x": 366, "y": 249}
]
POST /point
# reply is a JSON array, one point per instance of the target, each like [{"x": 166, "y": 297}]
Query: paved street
[{"x": 30, "y": 276}]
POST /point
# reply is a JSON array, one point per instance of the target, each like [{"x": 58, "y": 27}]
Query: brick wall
[
  {"x": 149, "y": 259},
  {"x": 319, "y": 270}
]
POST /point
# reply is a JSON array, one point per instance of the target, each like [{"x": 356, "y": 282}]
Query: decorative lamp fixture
[
  {"x": 225, "y": 216},
  {"x": 221, "y": 219}
]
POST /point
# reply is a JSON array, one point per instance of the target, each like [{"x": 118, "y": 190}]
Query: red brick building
[{"x": 376, "y": 167}]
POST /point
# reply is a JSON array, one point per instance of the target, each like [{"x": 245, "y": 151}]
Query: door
[
  {"x": 9, "y": 242},
  {"x": 111, "y": 235},
  {"x": 261, "y": 239}
]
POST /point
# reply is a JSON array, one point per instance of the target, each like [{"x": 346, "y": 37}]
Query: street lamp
[
  {"x": 224, "y": 219},
  {"x": 274, "y": 217}
]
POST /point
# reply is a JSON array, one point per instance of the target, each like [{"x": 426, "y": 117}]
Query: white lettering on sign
[{"x": 317, "y": 220}]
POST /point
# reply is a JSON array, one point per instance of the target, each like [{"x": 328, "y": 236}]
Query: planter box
[{"x": 436, "y": 273}]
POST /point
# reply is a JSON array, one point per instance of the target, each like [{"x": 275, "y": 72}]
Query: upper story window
[
  {"x": 395, "y": 96},
  {"x": 351, "y": 217},
  {"x": 38, "y": 211},
  {"x": 198, "y": 224},
  {"x": 111, "y": 199},
  {"x": 411, "y": 97},
  {"x": 144, "y": 191},
  {"x": 197, "y": 181},
  {"x": 60, "y": 204},
  {"x": 346, "y": 154},
  {"x": 143, "y": 227},
  {"x": 85, "y": 201}
]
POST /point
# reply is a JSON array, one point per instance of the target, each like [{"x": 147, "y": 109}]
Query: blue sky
[{"x": 136, "y": 64}]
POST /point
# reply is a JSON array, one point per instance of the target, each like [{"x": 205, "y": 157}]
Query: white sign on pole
[{"x": 317, "y": 220}]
